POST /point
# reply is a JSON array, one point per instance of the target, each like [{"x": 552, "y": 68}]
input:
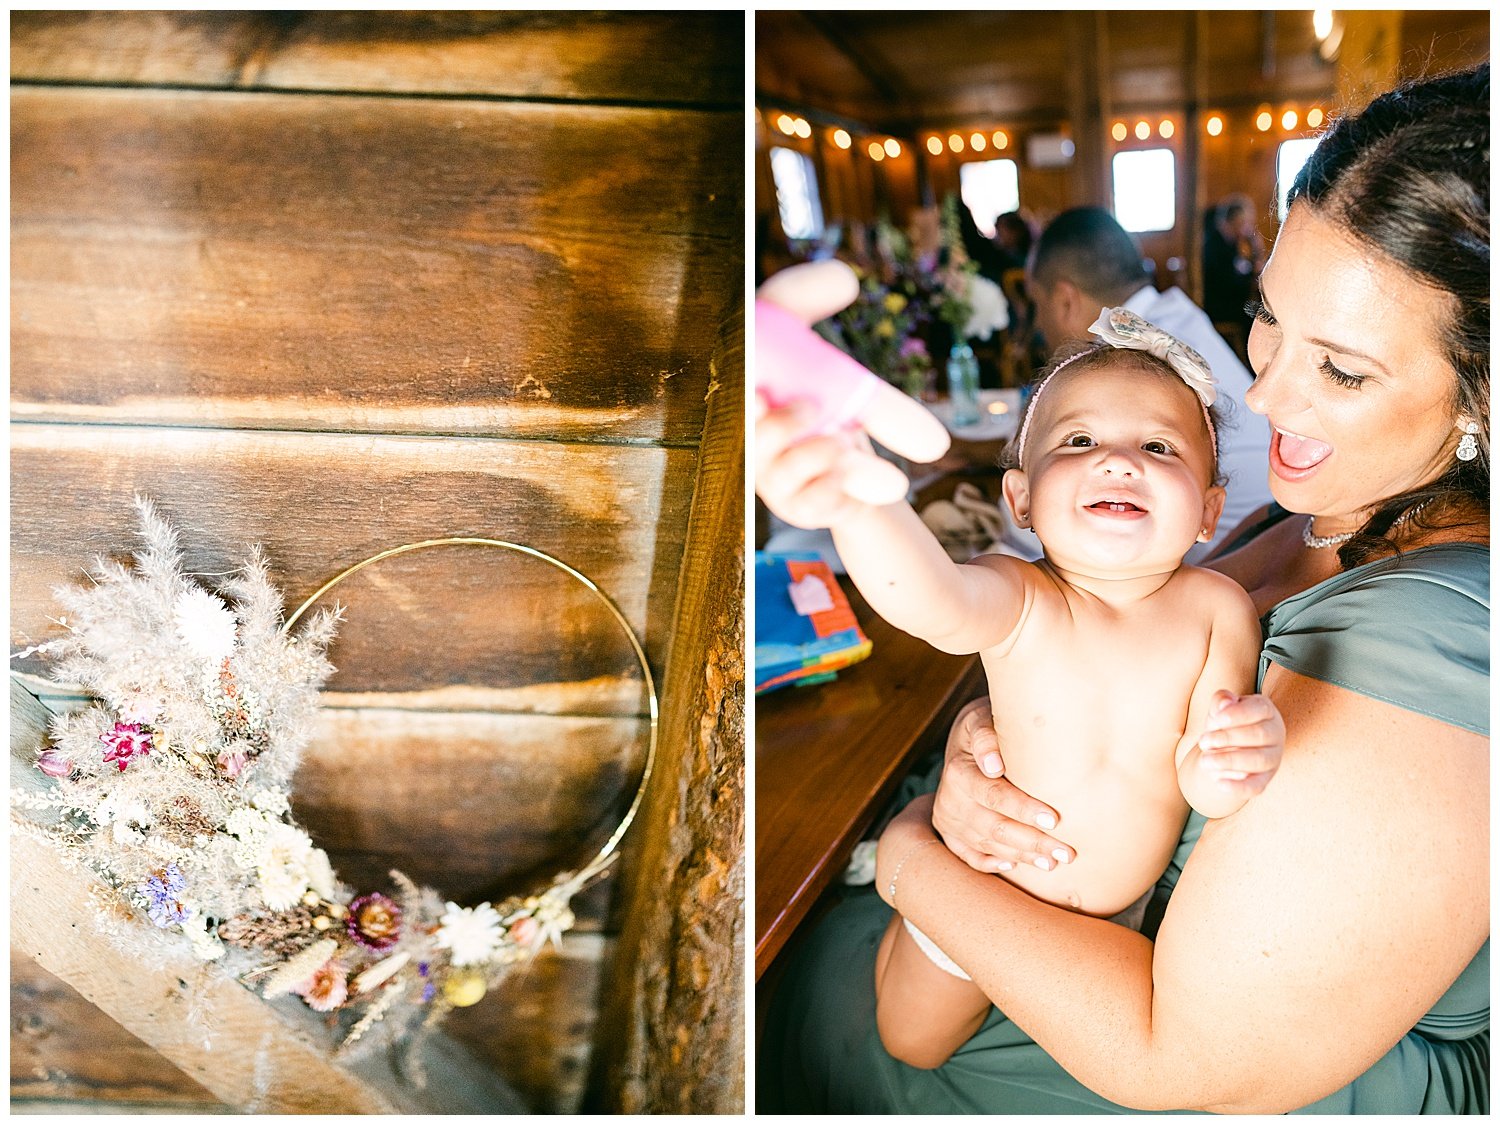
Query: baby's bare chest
[{"x": 1076, "y": 696}]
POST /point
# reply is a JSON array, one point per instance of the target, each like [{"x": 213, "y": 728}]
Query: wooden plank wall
[{"x": 330, "y": 282}]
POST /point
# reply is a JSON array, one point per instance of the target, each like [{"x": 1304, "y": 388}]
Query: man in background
[{"x": 1085, "y": 261}]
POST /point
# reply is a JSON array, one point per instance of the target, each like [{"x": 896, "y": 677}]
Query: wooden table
[{"x": 827, "y": 758}]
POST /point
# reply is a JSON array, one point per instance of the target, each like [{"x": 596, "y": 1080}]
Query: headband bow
[{"x": 1121, "y": 328}]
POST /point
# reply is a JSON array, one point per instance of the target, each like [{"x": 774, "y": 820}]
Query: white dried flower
[
  {"x": 471, "y": 935},
  {"x": 320, "y": 874},
  {"x": 282, "y": 866},
  {"x": 128, "y": 816},
  {"x": 271, "y": 801},
  {"x": 206, "y": 944},
  {"x": 246, "y": 823},
  {"x": 205, "y": 625}
]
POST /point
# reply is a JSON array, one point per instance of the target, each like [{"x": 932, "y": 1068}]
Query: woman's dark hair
[{"x": 1409, "y": 176}]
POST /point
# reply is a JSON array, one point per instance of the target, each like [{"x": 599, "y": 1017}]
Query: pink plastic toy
[{"x": 793, "y": 363}]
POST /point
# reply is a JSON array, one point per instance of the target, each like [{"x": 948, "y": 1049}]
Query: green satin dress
[{"x": 1411, "y": 630}]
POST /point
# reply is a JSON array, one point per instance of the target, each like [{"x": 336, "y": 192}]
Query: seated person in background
[
  {"x": 1233, "y": 254},
  {"x": 1085, "y": 260},
  {"x": 1115, "y": 670}
]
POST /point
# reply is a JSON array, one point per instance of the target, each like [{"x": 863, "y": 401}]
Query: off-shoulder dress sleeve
[{"x": 1412, "y": 630}]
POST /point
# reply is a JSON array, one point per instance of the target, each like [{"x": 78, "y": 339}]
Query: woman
[{"x": 1326, "y": 949}]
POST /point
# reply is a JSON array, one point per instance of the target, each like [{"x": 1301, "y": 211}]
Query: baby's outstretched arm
[
  {"x": 1233, "y": 740},
  {"x": 892, "y": 557}
]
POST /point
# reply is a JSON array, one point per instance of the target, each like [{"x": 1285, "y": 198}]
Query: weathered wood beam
[{"x": 672, "y": 1023}]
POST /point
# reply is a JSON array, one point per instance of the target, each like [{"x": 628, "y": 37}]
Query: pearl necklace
[{"x": 1318, "y": 542}]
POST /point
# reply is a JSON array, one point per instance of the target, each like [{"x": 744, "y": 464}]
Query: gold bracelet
[{"x": 897, "y": 873}]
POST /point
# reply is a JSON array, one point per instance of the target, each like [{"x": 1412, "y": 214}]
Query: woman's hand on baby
[
  {"x": 983, "y": 818},
  {"x": 1242, "y": 741}
]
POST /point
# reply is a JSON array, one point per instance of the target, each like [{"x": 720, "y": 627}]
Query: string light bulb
[
  {"x": 1214, "y": 125},
  {"x": 785, "y": 123},
  {"x": 1142, "y": 130},
  {"x": 877, "y": 153},
  {"x": 1000, "y": 139},
  {"x": 842, "y": 138},
  {"x": 955, "y": 142},
  {"x": 978, "y": 142},
  {"x": 1166, "y": 129},
  {"x": 892, "y": 147},
  {"x": 1263, "y": 120},
  {"x": 1119, "y": 132},
  {"x": 1289, "y": 119},
  {"x": 1314, "y": 117}
]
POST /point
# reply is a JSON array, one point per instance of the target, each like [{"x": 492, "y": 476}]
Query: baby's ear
[
  {"x": 1213, "y": 508},
  {"x": 1016, "y": 492}
]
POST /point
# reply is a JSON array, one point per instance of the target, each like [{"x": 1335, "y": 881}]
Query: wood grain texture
[
  {"x": 672, "y": 1022},
  {"x": 318, "y": 503},
  {"x": 589, "y": 56},
  {"x": 326, "y": 263},
  {"x": 63, "y": 1047},
  {"x": 827, "y": 757},
  {"x": 474, "y": 805}
]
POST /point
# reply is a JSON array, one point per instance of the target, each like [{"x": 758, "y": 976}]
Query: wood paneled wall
[
  {"x": 331, "y": 282},
  {"x": 909, "y": 73}
]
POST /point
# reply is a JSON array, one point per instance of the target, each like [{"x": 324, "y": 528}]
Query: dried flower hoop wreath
[{"x": 173, "y": 786}]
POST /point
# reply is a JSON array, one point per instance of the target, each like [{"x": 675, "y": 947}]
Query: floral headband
[{"x": 1121, "y": 328}]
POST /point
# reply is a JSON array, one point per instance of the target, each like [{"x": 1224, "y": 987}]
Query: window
[
  {"x": 797, "y": 194},
  {"x": 989, "y": 188},
  {"x": 1289, "y": 160},
  {"x": 1146, "y": 189}
]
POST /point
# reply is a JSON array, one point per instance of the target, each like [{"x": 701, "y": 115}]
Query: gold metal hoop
[{"x": 635, "y": 644}]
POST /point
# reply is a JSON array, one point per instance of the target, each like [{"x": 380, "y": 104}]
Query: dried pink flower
[
  {"x": 230, "y": 762},
  {"x": 54, "y": 764},
  {"x": 125, "y": 743},
  {"x": 524, "y": 931},
  {"x": 327, "y": 988}
]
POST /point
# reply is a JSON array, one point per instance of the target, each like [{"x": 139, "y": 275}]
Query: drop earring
[{"x": 1468, "y": 445}]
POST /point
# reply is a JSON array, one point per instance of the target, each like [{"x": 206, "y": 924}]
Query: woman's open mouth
[{"x": 1294, "y": 457}]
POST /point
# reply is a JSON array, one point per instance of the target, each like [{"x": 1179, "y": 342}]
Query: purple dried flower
[
  {"x": 161, "y": 891},
  {"x": 374, "y": 922},
  {"x": 126, "y": 742}
]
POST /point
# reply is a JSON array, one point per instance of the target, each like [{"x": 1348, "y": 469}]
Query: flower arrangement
[
  {"x": 875, "y": 328},
  {"x": 173, "y": 786},
  {"x": 905, "y": 289}
]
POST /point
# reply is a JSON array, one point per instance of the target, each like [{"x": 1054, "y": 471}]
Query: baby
[{"x": 1105, "y": 659}]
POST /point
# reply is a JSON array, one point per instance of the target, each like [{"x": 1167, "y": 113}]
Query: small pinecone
[
  {"x": 184, "y": 822},
  {"x": 282, "y": 933}
]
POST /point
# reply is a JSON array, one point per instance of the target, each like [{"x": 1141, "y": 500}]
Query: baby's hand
[
  {"x": 821, "y": 480},
  {"x": 1243, "y": 741}
]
